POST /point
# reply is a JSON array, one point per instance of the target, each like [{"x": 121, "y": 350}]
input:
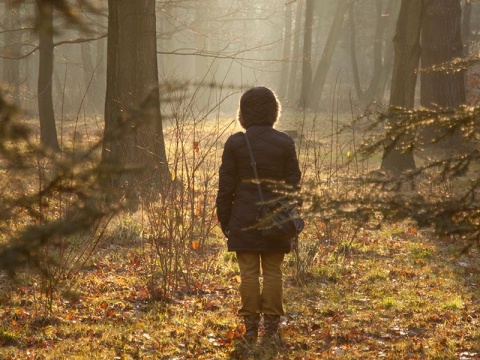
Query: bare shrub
[
  {"x": 329, "y": 161},
  {"x": 180, "y": 224}
]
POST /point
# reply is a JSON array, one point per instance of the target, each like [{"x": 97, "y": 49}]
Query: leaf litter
[{"x": 384, "y": 299}]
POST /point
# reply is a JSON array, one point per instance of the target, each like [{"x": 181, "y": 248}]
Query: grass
[
  {"x": 394, "y": 293},
  {"x": 404, "y": 297}
]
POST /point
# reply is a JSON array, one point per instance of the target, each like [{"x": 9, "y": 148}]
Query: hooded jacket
[{"x": 237, "y": 198}]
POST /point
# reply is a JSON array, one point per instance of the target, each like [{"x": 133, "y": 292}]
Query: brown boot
[
  {"x": 252, "y": 323},
  {"x": 272, "y": 342},
  {"x": 247, "y": 346}
]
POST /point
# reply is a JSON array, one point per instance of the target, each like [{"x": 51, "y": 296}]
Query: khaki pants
[{"x": 256, "y": 299}]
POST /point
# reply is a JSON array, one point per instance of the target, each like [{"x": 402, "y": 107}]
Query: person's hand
[{"x": 225, "y": 230}]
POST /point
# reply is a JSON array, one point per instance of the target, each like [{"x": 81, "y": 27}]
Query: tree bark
[
  {"x": 382, "y": 64},
  {"x": 398, "y": 153},
  {"x": 466, "y": 26},
  {"x": 48, "y": 130},
  {"x": 389, "y": 51},
  {"x": 132, "y": 95},
  {"x": 100, "y": 64},
  {"x": 441, "y": 42}
]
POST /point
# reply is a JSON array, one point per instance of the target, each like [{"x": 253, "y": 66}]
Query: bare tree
[
  {"x": 44, "y": 26},
  {"x": 382, "y": 50},
  {"x": 48, "y": 130},
  {"x": 441, "y": 42},
  {"x": 398, "y": 152},
  {"x": 293, "y": 73},
  {"x": 323, "y": 66},
  {"x": 12, "y": 46},
  {"x": 132, "y": 93},
  {"x": 93, "y": 55},
  {"x": 466, "y": 25},
  {"x": 287, "y": 47},
  {"x": 307, "y": 55}
]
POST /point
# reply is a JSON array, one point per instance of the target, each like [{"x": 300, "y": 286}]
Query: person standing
[{"x": 237, "y": 205}]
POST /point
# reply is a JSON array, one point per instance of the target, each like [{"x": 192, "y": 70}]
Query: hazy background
[{"x": 228, "y": 43}]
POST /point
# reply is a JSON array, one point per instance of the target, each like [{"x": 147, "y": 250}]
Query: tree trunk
[
  {"x": 398, "y": 154},
  {"x": 382, "y": 51},
  {"x": 353, "y": 54},
  {"x": 202, "y": 15},
  {"x": 466, "y": 26},
  {"x": 88, "y": 73},
  {"x": 441, "y": 42},
  {"x": 100, "y": 63},
  {"x": 48, "y": 130},
  {"x": 287, "y": 45},
  {"x": 377, "y": 49},
  {"x": 380, "y": 63},
  {"x": 293, "y": 76},
  {"x": 318, "y": 84},
  {"x": 307, "y": 53},
  {"x": 389, "y": 50},
  {"x": 12, "y": 48},
  {"x": 132, "y": 95}
]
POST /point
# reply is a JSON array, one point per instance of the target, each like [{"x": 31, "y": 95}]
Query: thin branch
[{"x": 66, "y": 42}]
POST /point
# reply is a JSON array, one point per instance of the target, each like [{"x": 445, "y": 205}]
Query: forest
[{"x": 113, "y": 119}]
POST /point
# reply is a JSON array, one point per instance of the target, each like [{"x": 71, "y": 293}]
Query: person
[{"x": 237, "y": 206}]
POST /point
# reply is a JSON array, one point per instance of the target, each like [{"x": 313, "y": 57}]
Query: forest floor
[
  {"x": 391, "y": 294},
  {"x": 394, "y": 293}
]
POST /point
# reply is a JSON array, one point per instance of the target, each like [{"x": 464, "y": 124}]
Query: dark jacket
[{"x": 237, "y": 198}]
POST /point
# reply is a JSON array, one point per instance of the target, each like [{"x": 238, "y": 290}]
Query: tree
[
  {"x": 11, "y": 67},
  {"x": 441, "y": 42},
  {"x": 398, "y": 153},
  {"x": 48, "y": 130},
  {"x": 287, "y": 45},
  {"x": 132, "y": 95},
  {"x": 307, "y": 55},
  {"x": 323, "y": 66},
  {"x": 45, "y": 225},
  {"x": 45, "y": 11},
  {"x": 93, "y": 61},
  {"x": 292, "y": 76},
  {"x": 466, "y": 25},
  {"x": 382, "y": 50}
]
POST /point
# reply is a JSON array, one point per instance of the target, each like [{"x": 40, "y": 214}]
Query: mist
[
  {"x": 218, "y": 48},
  {"x": 116, "y": 123}
]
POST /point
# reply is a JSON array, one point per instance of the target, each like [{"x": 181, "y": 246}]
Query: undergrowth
[
  {"x": 383, "y": 298},
  {"x": 365, "y": 280}
]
